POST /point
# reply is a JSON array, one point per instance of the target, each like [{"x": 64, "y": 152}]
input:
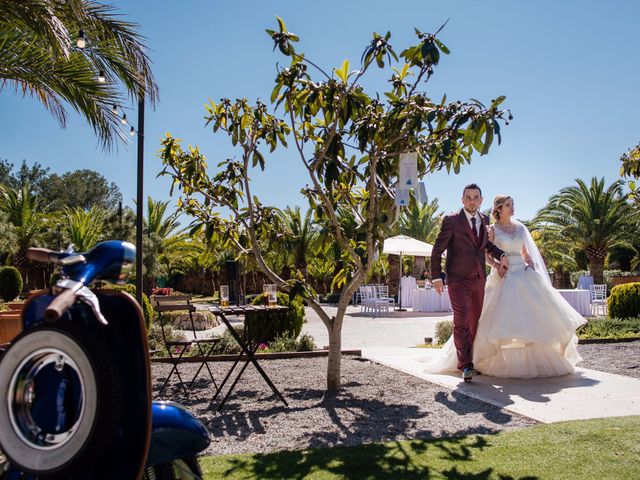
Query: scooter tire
[
  {"x": 93, "y": 422},
  {"x": 182, "y": 469}
]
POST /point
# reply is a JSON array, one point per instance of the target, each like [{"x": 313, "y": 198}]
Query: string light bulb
[
  {"x": 123, "y": 120},
  {"x": 132, "y": 132},
  {"x": 81, "y": 42},
  {"x": 114, "y": 110},
  {"x": 101, "y": 77}
]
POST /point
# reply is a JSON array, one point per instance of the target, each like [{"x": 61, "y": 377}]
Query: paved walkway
[
  {"x": 587, "y": 394},
  {"x": 389, "y": 341}
]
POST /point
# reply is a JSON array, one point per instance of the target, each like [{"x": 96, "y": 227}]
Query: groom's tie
[{"x": 473, "y": 227}]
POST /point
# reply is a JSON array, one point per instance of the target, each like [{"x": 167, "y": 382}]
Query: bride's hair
[{"x": 498, "y": 202}]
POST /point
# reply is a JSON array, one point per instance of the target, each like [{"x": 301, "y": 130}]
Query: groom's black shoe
[{"x": 468, "y": 373}]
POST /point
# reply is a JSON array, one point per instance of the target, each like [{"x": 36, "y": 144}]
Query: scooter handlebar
[
  {"x": 60, "y": 304},
  {"x": 42, "y": 255}
]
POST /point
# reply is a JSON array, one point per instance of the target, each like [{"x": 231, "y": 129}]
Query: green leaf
[
  {"x": 343, "y": 71},
  {"x": 498, "y": 101},
  {"x": 442, "y": 47},
  {"x": 488, "y": 139},
  {"x": 283, "y": 27}
]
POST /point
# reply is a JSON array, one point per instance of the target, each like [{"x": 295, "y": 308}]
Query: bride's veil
[{"x": 534, "y": 253}]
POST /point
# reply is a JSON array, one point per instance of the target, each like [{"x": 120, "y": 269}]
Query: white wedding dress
[{"x": 526, "y": 329}]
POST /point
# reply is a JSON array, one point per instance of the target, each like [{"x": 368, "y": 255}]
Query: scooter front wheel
[
  {"x": 180, "y": 469},
  {"x": 59, "y": 400}
]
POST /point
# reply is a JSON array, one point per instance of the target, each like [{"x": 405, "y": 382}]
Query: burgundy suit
[{"x": 466, "y": 276}]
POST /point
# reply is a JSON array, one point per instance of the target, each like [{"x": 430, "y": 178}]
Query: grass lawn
[{"x": 599, "y": 449}]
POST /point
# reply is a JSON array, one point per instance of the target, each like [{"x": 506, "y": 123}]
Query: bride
[{"x": 526, "y": 329}]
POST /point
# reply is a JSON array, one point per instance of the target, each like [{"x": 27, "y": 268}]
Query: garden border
[{"x": 260, "y": 356}]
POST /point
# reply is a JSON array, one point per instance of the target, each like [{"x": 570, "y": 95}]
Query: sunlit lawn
[{"x": 591, "y": 449}]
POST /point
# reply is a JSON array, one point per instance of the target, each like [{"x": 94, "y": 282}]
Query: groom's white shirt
[{"x": 470, "y": 216}]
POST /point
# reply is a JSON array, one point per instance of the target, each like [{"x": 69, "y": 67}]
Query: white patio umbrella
[{"x": 404, "y": 245}]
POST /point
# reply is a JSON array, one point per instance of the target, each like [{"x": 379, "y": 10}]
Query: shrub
[
  {"x": 287, "y": 322},
  {"x": 624, "y": 301},
  {"x": 333, "y": 297},
  {"x": 283, "y": 343},
  {"x": 306, "y": 343},
  {"x": 444, "y": 330},
  {"x": 131, "y": 289},
  {"x": 10, "y": 283},
  {"x": 154, "y": 338},
  {"x": 610, "y": 328},
  {"x": 228, "y": 344}
]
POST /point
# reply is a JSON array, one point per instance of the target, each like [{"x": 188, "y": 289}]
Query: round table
[
  {"x": 580, "y": 300},
  {"x": 427, "y": 300}
]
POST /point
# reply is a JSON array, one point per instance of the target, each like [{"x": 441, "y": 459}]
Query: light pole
[{"x": 139, "y": 196}]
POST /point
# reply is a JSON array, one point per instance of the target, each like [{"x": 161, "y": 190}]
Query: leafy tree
[
  {"x": 590, "y": 217},
  {"x": 82, "y": 189},
  {"x": 347, "y": 140},
  {"x": 631, "y": 163},
  {"x": 34, "y": 176},
  {"x": 39, "y": 57}
]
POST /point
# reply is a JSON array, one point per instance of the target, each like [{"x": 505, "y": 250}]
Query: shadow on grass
[{"x": 407, "y": 460}]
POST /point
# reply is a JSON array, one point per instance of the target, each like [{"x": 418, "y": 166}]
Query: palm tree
[
  {"x": 590, "y": 217},
  {"x": 24, "y": 213},
  {"x": 40, "y": 56},
  {"x": 420, "y": 221},
  {"x": 299, "y": 236},
  {"x": 166, "y": 244},
  {"x": 84, "y": 229}
]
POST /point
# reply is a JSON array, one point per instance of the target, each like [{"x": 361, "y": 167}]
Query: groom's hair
[{"x": 472, "y": 186}]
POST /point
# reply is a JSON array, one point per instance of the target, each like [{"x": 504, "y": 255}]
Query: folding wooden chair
[{"x": 177, "y": 348}]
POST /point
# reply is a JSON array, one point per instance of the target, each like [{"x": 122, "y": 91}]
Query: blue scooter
[{"x": 75, "y": 385}]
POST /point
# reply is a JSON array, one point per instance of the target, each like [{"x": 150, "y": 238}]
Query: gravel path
[
  {"x": 621, "y": 358},
  {"x": 377, "y": 404}
]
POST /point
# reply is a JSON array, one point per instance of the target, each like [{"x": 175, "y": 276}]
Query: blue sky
[{"x": 569, "y": 70}]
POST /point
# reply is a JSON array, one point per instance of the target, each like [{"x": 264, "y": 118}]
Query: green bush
[
  {"x": 610, "y": 328},
  {"x": 10, "y": 283},
  {"x": 131, "y": 289},
  {"x": 624, "y": 301},
  {"x": 306, "y": 343},
  {"x": 154, "y": 338},
  {"x": 228, "y": 344},
  {"x": 444, "y": 330},
  {"x": 333, "y": 297},
  {"x": 286, "y": 323}
]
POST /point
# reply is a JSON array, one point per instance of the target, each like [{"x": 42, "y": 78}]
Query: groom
[{"x": 464, "y": 236}]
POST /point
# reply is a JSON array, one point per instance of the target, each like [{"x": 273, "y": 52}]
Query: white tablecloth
[
  {"x": 580, "y": 300},
  {"x": 429, "y": 301},
  {"x": 407, "y": 285}
]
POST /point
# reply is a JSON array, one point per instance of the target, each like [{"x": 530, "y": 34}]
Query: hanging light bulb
[
  {"x": 101, "y": 77},
  {"x": 81, "y": 42},
  {"x": 132, "y": 132},
  {"x": 123, "y": 120},
  {"x": 114, "y": 110}
]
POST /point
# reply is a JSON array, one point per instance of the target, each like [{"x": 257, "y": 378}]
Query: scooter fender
[{"x": 175, "y": 433}]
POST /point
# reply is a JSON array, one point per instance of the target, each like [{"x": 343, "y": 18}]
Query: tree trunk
[
  {"x": 596, "y": 267},
  {"x": 335, "y": 354}
]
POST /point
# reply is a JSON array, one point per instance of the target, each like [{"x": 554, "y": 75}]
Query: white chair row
[{"x": 375, "y": 299}]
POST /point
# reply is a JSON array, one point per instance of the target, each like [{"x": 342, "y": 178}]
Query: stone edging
[
  {"x": 585, "y": 341},
  {"x": 259, "y": 356}
]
